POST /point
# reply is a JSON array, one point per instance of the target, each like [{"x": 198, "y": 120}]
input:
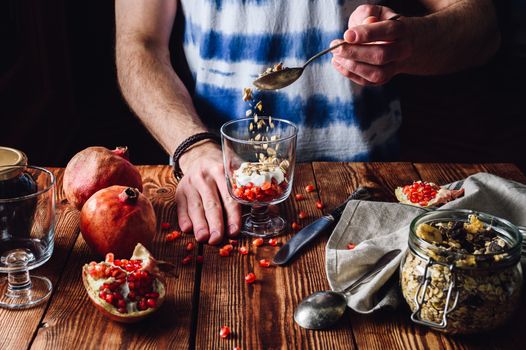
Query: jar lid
[{"x": 10, "y": 156}]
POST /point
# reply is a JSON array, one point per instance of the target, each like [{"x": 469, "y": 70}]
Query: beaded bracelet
[{"x": 186, "y": 144}]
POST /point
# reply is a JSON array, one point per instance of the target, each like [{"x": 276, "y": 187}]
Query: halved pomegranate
[
  {"x": 426, "y": 194},
  {"x": 125, "y": 290}
]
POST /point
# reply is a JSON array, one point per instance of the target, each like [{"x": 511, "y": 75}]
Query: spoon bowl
[
  {"x": 323, "y": 309},
  {"x": 278, "y": 79}
]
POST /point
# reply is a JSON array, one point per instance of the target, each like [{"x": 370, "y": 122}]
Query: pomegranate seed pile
[
  {"x": 117, "y": 274},
  {"x": 421, "y": 192}
]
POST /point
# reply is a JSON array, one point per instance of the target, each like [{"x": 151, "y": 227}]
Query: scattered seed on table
[
  {"x": 165, "y": 225},
  {"x": 224, "y": 332},
  {"x": 250, "y": 278},
  {"x": 299, "y": 197},
  {"x": 258, "y": 242},
  {"x": 273, "y": 242},
  {"x": 302, "y": 214},
  {"x": 199, "y": 259},
  {"x": 243, "y": 250},
  {"x": 295, "y": 226},
  {"x": 228, "y": 247},
  {"x": 319, "y": 205},
  {"x": 351, "y": 246},
  {"x": 187, "y": 260},
  {"x": 224, "y": 252},
  {"x": 190, "y": 246},
  {"x": 264, "y": 263},
  {"x": 310, "y": 188}
]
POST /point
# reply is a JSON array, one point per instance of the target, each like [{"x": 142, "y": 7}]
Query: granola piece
[
  {"x": 429, "y": 233},
  {"x": 475, "y": 225},
  {"x": 247, "y": 94}
]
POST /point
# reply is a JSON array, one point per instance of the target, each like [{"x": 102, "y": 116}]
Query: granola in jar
[{"x": 462, "y": 271}]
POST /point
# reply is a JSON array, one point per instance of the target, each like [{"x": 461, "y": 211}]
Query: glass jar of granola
[{"x": 462, "y": 272}]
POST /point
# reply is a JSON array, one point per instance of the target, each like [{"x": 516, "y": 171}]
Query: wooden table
[{"x": 206, "y": 296}]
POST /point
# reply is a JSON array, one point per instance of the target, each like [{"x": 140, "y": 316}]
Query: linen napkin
[{"x": 378, "y": 227}]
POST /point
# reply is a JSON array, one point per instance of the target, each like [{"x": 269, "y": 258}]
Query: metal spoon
[
  {"x": 286, "y": 76},
  {"x": 322, "y": 309}
]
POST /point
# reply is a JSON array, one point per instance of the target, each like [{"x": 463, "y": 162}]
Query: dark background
[{"x": 58, "y": 92}]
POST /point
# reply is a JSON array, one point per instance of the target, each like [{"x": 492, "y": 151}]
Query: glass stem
[
  {"x": 19, "y": 283},
  {"x": 259, "y": 215}
]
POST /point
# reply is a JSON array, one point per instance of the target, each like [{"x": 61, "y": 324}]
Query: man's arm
[
  {"x": 146, "y": 77},
  {"x": 455, "y": 35},
  {"x": 159, "y": 98}
]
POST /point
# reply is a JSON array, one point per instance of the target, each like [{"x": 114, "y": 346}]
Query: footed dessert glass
[
  {"x": 259, "y": 155},
  {"x": 27, "y": 221}
]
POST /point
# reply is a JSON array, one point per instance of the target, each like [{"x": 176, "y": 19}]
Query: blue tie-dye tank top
[{"x": 227, "y": 43}]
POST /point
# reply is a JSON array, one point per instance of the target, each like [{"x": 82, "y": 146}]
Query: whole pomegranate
[
  {"x": 95, "y": 168},
  {"x": 115, "y": 219},
  {"x": 125, "y": 290}
]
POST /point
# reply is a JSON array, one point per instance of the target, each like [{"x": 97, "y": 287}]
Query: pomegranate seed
[
  {"x": 264, "y": 263},
  {"x": 187, "y": 260},
  {"x": 228, "y": 247},
  {"x": 233, "y": 241},
  {"x": 295, "y": 226},
  {"x": 224, "y": 332},
  {"x": 302, "y": 214},
  {"x": 237, "y": 348},
  {"x": 199, "y": 259},
  {"x": 319, "y": 205},
  {"x": 122, "y": 310},
  {"x": 310, "y": 188},
  {"x": 250, "y": 278},
  {"x": 224, "y": 252},
  {"x": 151, "y": 303},
  {"x": 351, "y": 246},
  {"x": 109, "y": 258},
  {"x": 109, "y": 298},
  {"x": 141, "y": 305},
  {"x": 243, "y": 250},
  {"x": 273, "y": 242},
  {"x": 121, "y": 303},
  {"x": 190, "y": 246},
  {"x": 165, "y": 225},
  {"x": 258, "y": 242},
  {"x": 102, "y": 295},
  {"x": 169, "y": 237},
  {"x": 131, "y": 295},
  {"x": 118, "y": 296},
  {"x": 299, "y": 197},
  {"x": 117, "y": 262}
]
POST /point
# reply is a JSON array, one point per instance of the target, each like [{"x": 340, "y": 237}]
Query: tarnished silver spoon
[
  {"x": 322, "y": 309},
  {"x": 286, "y": 76}
]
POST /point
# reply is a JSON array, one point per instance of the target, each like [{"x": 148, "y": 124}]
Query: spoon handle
[
  {"x": 378, "y": 266},
  {"x": 323, "y": 53}
]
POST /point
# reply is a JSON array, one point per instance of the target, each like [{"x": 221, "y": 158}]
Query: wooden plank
[
  {"x": 383, "y": 330},
  {"x": 73, "y": 322},
  {"x": 512, "y": 333},
  {"x": 18, "y": 327},
  {"x": 261, "y": 315}
]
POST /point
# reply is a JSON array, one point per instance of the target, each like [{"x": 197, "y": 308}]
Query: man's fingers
[
  {"x": 357, "y": 79},
  {"x": 212, "y": 208},
  {"x": 374, "y": 74},
  {"x": 372, "y": 54},
  {"x": 197, "y": 214},
  {"x": 378, "y": 31},
  {"x": 232, "y": 208},
  {"x": 185, "y": 223},
  {"x": 363, "y": 12}
]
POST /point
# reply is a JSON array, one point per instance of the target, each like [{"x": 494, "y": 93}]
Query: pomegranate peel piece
[
  {"x": 426, "y": 194},
  {"x": 115, "y": 291}
]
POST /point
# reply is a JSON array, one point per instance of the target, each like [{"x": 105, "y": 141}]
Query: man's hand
[
  {"x": 202, "y": 194},
  {"x": 377, "y": 46},
  {"x": 453, "y": 35}
]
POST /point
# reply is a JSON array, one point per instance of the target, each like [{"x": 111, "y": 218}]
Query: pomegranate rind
[
  {"x": 95, "y": 168},
  {"x": 108, "y": 310},
  {"x": 117, "y": 229}
]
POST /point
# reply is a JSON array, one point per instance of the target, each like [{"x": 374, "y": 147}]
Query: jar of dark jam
[{"x": 15, "y": 219}]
